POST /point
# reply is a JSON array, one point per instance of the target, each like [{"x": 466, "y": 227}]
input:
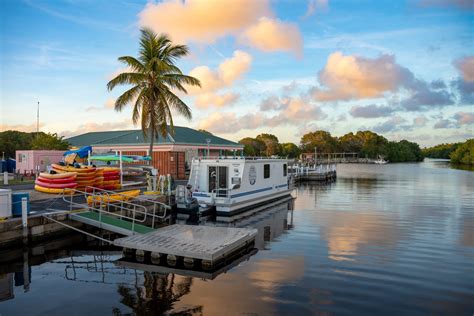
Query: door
[{"x": 218, "y": 181}]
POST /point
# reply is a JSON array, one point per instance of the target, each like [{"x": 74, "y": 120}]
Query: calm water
[{"x": 394, "y": 239}]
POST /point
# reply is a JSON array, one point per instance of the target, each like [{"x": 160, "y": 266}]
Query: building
[
  {"x": 171, "y": 155},
  {"x": 33, "y": 161}
]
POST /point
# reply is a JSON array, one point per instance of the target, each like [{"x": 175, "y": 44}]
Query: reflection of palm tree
[{"x": 157, "y": 295}]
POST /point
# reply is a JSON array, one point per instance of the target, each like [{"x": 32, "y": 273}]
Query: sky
[{"x": 404, "y": 69}]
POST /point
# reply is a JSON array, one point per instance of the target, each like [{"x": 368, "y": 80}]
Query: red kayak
[
  {"x": 110, "y": 173},
  {"x": 56, "y": 185},
  {"x": 108, "y": 178},
  {"x": 59, "y": 180}
]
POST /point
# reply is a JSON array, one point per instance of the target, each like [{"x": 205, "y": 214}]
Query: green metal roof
[{"x": 182, "y": 136}]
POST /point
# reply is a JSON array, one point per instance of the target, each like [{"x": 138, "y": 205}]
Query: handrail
[
  {"x": 121, "y": 205},
  {"x": 238, "y": 158}
]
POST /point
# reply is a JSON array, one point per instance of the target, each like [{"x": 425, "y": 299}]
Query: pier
[{"x": 323, "y": 173}]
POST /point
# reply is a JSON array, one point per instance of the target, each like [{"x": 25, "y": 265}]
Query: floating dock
[{"x": 192, "y": 246}]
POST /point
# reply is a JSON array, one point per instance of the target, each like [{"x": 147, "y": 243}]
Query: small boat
[
  {"x": 236, "y": 184},
  {"x": 380, "y": 161}
]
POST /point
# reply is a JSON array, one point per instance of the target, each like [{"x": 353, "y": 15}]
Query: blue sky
[{"x": 401, "y": 68}]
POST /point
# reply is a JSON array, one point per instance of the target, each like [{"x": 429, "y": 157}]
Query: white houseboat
[{"x": 237, "y": 184}]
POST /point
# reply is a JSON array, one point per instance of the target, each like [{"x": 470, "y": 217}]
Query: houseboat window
[
  {"x": 284, "y": 170},
  {"x": 266, "y": 171}
]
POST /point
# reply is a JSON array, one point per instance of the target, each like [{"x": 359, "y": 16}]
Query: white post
[
  {"x": 169, "y": 183},
  {"x": 121, "y": 173},
  {"x": 5, "y": 178},
  {"x": 88, "y": 157},
  {"x": 24, "y": 212}
]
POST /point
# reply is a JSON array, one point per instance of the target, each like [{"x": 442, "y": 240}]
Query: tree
[
  {"x": 154, "y": 78},
  {"x": 440, "y": 151},
  {"x": 322, "y": 140},
  {"x": 252, "y": 146},
  {"x": 272, "y": 145},
  {"x": 49, "y": 141},
  {"x": 350, "y": 143},
  {"x": 464, "y": 154},
  {"x": 11, "y": 141},
  {"x": 373, "y": 145},
  {"x": 290, "y": 150}
]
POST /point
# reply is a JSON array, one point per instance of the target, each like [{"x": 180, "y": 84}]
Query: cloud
[
  {"x": 109, "y": 104},
  {"x": 465, "y": 90},
  {"x": 423, "y": 98},
  {"x": 465, "y": 67},
  {"x": 420, "y": 121},
  {"x": 206, "y": 100},
  {"x": 97, "y": 127},
  {"x": 354, "y": 77},
  {"x": 391, "y": 125},
  {"x": 228, "y": 71},
  {"x": 28, "y": 128},
  {"x": 444, "y": 124},
  {"x": 316, "y": 6},
  {"x": 464, "y": 118},
  {"x": 270, "y": 35},
  {"x": 371, "y": 111},
  {"x": 202, "y": 21},
  {"x": 293, "y": 111}
]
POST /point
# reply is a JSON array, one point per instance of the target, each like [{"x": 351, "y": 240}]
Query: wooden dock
[
  {"x": 192, "y": 246},
  {"x": 323, "y": 173}
]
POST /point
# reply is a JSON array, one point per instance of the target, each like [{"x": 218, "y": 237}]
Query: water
[{"x": 391, "y": 239}]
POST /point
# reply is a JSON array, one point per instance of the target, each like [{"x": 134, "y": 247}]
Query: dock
[
  {"x": 192, "y": 246},
  {"x": 323, "y": 173}
]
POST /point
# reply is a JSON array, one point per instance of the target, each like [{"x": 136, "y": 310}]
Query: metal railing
[
  {"x": 238, "y": 158},
  {"x": 109, "y": 202}
]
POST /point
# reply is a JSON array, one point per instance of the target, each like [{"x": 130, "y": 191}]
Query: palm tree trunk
[{"x": 152, "y": 138}]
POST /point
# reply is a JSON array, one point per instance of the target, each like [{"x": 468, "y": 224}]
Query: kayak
[
  {"x": 59, "y": 180},
  {"x": 108, "y": 178},
  {"x": 110, "y": 182},
  {"x": 50, "y": 190},
  {"x": 72, "y": 169},
  {"x": 56, "y": 185},
  {"x": 113, "y": 198},
  {"x": 58, "y": 175}
]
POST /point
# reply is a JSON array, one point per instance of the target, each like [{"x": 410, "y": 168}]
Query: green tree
[
  {"x": 272, "y": 145},
  {"x": 154, "y": 78},
  {"x": 403, "y": 151},
  {"x": 49, "y": 141},
  {"x": 373, "y": 145},
  {"x": 442, "y": 151},
  {"x": 464, "y": 154},
  {"x": 350, "y": 143},
  {"x": 290, "y": 150},
  {"x": 322, "y": 140},
  {"x": 11, "y": 141},
  {"x": 252, "y": 146}
]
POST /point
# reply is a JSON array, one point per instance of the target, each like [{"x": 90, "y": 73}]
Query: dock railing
[{"x": 110, "y": 203}]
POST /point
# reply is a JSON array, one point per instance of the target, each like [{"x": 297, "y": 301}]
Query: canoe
[
  {"x": 110, "y": 182},
  {"x": 54, "y": 191},
  {"x": 58, "y": 175},
  {"x": 72, "y": 169},
  {"x": 113, "y": 198},
  {"x": 56, "y": 185},
  {"x": 110, "y": 173},
  {"x": 59, "y": 180}
]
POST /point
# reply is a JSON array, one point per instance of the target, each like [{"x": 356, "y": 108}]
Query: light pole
[
  {"x": 37, "y": 119},
  {"x": 208, "y": 141}
]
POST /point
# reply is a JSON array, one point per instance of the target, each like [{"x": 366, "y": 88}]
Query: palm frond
[
  {"x": 133, "y": 63},
  {"x": 126, "y": 78}
]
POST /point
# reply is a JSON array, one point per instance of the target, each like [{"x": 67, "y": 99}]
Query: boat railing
[{"x": 240, "y": 158}]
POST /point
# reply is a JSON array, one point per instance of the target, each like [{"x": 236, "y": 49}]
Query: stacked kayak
[
  {"x": 85, "y": 175},
  {"x": 56, "y": 183},
  {"x": 110, "y": 178},
  {"x": 113, "y": 198}
]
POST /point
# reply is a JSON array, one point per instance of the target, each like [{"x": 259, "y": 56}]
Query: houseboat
[{"x": 237, "y": 184}]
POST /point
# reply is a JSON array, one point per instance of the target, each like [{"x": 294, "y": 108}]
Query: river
[{"x": 383, "y": 239}]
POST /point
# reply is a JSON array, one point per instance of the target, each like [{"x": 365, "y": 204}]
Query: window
[
  {"x": 266, "y": 171},
  {"x": 284, "y": 170}
]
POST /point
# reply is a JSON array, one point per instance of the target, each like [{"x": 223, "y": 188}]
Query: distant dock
[{"x": 323, "y": 173}]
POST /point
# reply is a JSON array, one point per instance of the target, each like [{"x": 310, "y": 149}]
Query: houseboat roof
[{"x": 182, "y": 136}]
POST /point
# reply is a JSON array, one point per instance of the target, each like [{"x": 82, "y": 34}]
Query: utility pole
[{"x": 37, "y": 120}]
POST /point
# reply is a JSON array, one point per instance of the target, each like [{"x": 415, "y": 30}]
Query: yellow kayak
[
  {"x": 58, "y": 175},
  {"x": 51, "y": 190},
  {"x": 113, "y": 198},
  {"x": 72, "y": 169}
]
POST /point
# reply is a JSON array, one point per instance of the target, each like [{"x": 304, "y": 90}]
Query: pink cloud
[
  {"x": 96, "y": 127},
  {"x": 347, "y": 77},
  {"x": 206, "y": 100},
  {"x": 464, "y": 118},
  {"x": 202, "y": 21},
  {"x": 270, "y": 35},
  {"x": 28, "y": 128},
  {"x": 465, "y": 67}
]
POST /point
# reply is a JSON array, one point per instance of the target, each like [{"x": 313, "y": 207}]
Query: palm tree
[{"x": 155, "y": 78}]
